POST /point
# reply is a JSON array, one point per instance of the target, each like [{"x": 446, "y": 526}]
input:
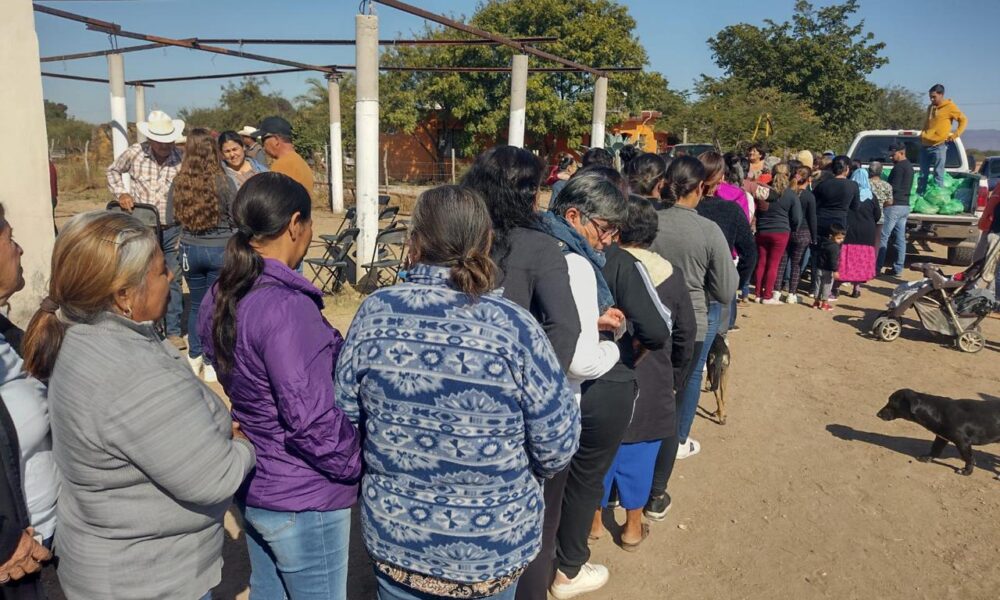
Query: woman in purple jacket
[{"x": 275, "y": 356}]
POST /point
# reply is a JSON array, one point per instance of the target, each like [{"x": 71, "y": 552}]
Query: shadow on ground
[{"x": 914, "y": 447}]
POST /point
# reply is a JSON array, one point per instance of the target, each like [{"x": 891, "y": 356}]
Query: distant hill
[{"x": 982, "y": 139}]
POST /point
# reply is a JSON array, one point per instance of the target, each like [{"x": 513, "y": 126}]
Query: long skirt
[{"x": 857, "y": 263}]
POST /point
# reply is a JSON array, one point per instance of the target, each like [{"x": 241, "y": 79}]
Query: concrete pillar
[
  {"x": 518, "y": 100},
  {"x": 140, "y": 110},
  {"x": 336, "y": 147},
  {"x": 24, "y": 171},
  {"x": 600, "y": 112},
  {"x": 119, "y": 114},
  {"x": 366, "y": 124}
]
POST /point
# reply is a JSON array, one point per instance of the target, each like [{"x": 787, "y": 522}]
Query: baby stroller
[{"x": 952, "y": 306}]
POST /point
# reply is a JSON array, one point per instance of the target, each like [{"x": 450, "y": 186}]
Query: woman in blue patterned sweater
[{"x": 463, "y": 409}]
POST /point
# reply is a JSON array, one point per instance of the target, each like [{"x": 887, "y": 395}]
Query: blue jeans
[
  {"x": 171, "y": 253},
  {"x": 691, "y": 393},
  {"x": 390, "y": 590},
  {"x": 297, "y": 555},
  {"x": 201, "y": 266},
  {"x": 895, "y": 221},
  {"x": 932, "y": 156}
]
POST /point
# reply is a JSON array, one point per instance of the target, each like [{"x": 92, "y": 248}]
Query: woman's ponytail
[
  {"x": 240, "y": 269},
  {"x": 41, "y": 344},
  {"x": 451, "y": 227}
]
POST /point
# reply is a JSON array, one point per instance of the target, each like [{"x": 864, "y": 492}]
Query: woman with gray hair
[
  {"x": 585, "y": 219},
  {"x": 149, "y": 455}
]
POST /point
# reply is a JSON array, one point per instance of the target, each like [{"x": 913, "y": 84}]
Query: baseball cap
[
  {"x": 829, "y": 153},
  {"x": 896, "y": 147},
  {"x": 274, "y": 126}
]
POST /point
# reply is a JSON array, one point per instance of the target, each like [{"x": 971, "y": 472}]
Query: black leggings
[
  {"x": 534, "y": 582},
  {"x": 605, "y": 411},
  {"x": 667, "y": 455},
  {"x": 664, "y": 468}
]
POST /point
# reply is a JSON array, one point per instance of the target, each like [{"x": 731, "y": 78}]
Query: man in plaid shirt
[{"x": 151, "y": 167}]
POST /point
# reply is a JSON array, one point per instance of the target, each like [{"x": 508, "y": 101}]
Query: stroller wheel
[
  {"x": 971, "y": 341},
  {"x": 887, "y": 329}
]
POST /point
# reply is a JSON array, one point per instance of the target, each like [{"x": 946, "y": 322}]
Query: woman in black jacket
[
  {"x": 774, "y": 227},
  {"x": 533, "y": 269},
  {"x": 659, "y": 374}
]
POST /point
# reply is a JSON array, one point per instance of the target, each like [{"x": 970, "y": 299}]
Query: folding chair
[
  {"x": 388, "y": 213},
  {"x": 349, "y": 221},
  {"x": 383, "y": 200},
  {"x": 387, "y": 258},
  {"x": 331, "y": 268},
  {"x": 147, "y": 213}
]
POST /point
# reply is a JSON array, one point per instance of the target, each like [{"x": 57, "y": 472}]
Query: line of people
[{"x": 536, "y": 366}]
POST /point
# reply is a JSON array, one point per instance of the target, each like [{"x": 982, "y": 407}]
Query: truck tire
[{"x": 961, "y": 255}]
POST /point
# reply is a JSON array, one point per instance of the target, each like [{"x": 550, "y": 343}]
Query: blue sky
[{"x": 673, "y": 31}]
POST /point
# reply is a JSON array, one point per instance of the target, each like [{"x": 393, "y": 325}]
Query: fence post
[
  {"x": 453, "y": 166},
  {"x": 86, "y": 160}
]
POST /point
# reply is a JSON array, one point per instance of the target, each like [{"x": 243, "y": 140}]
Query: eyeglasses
[{"x": 603, "y": 231}]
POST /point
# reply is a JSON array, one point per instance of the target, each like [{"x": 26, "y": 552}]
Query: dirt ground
[{"x": 804, "y": 493}]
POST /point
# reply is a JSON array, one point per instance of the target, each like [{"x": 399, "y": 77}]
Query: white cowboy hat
[
  {"x": 247, "y": 131},
  {"x": 160, "y": 127}
]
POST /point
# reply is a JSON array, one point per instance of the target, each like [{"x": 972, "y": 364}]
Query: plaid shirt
[{"x": 150, "y": 181}]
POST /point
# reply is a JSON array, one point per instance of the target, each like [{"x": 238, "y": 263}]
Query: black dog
[{"x": 962, "y": 422}]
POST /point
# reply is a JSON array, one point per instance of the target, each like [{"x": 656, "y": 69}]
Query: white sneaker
[
  {"x": 591, "y": 577},
  {"x": 208, "y": 374},
  {"x": 771, "y": 301},
  {"x": 197, "y": 364},
  {"x": 775, "y": 295},
  {"x": 688, "y": 448},
  {"x": 792, "y": 299}
]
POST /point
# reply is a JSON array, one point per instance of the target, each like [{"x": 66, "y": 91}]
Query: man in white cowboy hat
[
  {"x": 152, "y": 166},
  {"x": 250, "y": 146}
]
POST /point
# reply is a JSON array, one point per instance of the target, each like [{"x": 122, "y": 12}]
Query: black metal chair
[
  {"x": 350, "y": 220},
  {"x": 388, "y": 213},
  {"x": 147, "y": 213},
  {"x": 331, "y": 269},
  {"x": 387, "y": 257},
  {"x": 383, "y": 200}
]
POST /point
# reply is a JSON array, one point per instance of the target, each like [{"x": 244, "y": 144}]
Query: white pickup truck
[{"x": 958, "y": 232}]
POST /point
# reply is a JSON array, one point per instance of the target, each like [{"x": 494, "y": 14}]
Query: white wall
[{"x": 24, "y": 171}]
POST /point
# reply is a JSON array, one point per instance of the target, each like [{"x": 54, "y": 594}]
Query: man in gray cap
[{"x": 275, "y": 135}]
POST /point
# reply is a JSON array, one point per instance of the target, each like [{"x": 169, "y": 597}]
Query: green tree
[
  {"x": 819, "y": 56},
  {"x": 311, "y": 122},
  {"x": 470, "y": 110},
  {"x": 65, "y": 132},
  {"x": 895, "y": 107},
  {"x": 727, "y": 111},
  {"x": 242, "y": 103}
]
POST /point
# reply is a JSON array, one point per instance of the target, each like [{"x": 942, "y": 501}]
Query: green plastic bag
[
  {"x": 922, "y": 206},
  {"x": 937, "y": 196},
  {"x": 951, "y": 207}
]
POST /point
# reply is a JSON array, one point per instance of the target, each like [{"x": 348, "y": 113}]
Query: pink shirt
[{"x": 734, "y": 193}]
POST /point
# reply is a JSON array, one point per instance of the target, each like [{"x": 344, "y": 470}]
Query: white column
[
  {"x": 119, "y": 114},
  {"x": 366, "y": 124},
  {"x": 518, "y": 100},
  {"x": 336, "y": 147},
  {"x": 600, "y": 112},
  {"x": 25, "y": 171},
  {"x": 140, "y": 110}
]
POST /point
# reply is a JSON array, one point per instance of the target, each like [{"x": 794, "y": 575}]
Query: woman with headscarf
[{"x": 857, "y": 255}]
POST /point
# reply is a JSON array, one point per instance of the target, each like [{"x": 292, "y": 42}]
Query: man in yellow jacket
[{"x": 937, "y": 134}]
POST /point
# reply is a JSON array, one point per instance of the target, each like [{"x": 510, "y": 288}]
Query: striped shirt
[{"x": 150, "y": 180}]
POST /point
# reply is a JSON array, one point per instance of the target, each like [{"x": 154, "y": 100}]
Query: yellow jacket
[{"x": 937, "y": 129}]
